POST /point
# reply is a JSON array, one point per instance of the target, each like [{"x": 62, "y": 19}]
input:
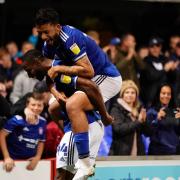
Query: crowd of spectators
[
  {"x": 145, "y": 70},
  {"x": 36, "y": 138},
  {"x": 146, "y": 111}
]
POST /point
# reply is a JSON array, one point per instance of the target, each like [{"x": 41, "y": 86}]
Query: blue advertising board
[{"x": 137, "y": 170}]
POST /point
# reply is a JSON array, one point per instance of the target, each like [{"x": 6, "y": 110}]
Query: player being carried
[
  {"x": 81, "y": 57},
  {"x": 37, "y": 66}
]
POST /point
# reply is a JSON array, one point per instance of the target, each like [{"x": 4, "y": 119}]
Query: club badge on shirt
[
  {"x": 75, "y": 49},
  {"x": 40, "y": 130}
]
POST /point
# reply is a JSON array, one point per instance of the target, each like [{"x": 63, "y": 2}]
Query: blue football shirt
[
  {"x": 67, "y": 84},
  {"x": 23, "y": 138},
  {"x": 73, "y": 45}
]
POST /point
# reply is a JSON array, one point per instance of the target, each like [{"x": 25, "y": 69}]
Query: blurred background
[
  {"x": 141, "y": 38},
  {"x": 110, "y": 18}
]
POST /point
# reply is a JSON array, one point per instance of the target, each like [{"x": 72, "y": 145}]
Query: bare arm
[
  {"x": 94, "y": 95},
  {"x": 81, "y": 68},
  {"x": 56, "y": 105},
  {"x": 3, "y": 135},
  {"x": 40, "y": 149},
  {"x": 90, "y": 89},
  {"x": 34, "y": 160},
  {"x": 53, "y": 110},
  {"x": 8, "y": 161}
]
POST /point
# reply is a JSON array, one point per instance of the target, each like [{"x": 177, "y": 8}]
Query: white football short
[
  {"x": 109, "y": 86},
  {"x": 67, "y": 154}
]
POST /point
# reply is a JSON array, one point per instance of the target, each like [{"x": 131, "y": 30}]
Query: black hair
[
  {"x": 32, "y": 64},
  {"x": 156, "y": 101},
  {"x": 46, "y": 15},
  {"x": 40, "y": 87},
  {"x": 125, "y": 35},
  {"x": 32, "y": 56},
  {"x": 36, "y": 96}
]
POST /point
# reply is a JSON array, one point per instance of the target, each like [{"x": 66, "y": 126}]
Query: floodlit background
[{"x": 110, "y": 18}]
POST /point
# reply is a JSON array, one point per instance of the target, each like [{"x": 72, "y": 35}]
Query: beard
[{"x": 56, "y": 40}]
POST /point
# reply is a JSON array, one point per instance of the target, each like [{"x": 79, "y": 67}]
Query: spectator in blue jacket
[{"x": 164, "y": 123}]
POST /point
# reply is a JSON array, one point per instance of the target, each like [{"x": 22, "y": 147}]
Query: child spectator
[
  {"x": 24, "y": 140},
  {"x": 53, "y": 132}
]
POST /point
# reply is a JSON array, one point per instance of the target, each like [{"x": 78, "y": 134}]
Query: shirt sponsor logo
[{"x": 33, "y": 141}]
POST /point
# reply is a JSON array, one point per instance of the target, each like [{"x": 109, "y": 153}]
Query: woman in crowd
[
  {"x": 129, "y": 123},
  {"x": 163, "y": 119}
]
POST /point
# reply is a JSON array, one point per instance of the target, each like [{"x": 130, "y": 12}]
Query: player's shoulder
[
  {"x": 65, "y": 33},
  {"x": 69, "y": 33}
]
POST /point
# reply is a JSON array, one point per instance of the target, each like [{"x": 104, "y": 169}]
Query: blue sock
[{"x": 82, "y": 143}]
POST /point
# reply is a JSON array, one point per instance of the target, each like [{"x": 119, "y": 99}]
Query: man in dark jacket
[{"x": 155, "y": 72}]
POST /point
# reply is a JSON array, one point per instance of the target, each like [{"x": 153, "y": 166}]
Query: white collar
[{"x": 124, "y": 104}]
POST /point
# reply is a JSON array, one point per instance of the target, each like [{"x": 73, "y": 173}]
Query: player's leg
[
  {"x": 76, "y": 106},
  {"x": 54, "y": 109},
  {"x": 65, "y": 157},
  {"x": 67, "y": 153},
  {"x": 95, "y": 96},
  {"x": 94, "y": 143},
  {"x": 95, "y": 138},
  {"x": 109, "y": 86}
]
